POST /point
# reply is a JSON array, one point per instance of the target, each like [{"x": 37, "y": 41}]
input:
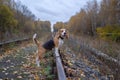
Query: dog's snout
[{"x": 64, "y": 33}]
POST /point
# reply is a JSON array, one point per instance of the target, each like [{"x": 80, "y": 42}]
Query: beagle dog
[{"x": 56, "y": 43}]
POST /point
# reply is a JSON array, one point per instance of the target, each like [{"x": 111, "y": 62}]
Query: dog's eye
[{"x": 61, "y": 30}]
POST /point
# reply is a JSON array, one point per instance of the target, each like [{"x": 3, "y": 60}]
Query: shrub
[{"x": 109, "y": 32}]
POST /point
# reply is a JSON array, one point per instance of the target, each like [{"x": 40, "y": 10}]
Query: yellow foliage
[
  {"x": 111, "y": 32},
  {"x": 36, "y": 77},
  {"x": 6, "y": 18}
]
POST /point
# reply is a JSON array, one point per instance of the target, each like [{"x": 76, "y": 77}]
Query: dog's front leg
[{"x": 56, "y": 42}]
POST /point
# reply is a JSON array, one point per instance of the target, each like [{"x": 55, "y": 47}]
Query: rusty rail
[
  {"x": 60, "y": 69},
  {"x": 11, "y": 41}
]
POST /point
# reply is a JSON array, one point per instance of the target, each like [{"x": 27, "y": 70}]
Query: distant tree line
[
  {"x": 17, "y": 21},
  {"x": 96, "y": 19},
  {"x": 59, "y": 25}
]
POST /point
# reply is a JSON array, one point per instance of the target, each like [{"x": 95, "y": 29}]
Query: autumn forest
[{"x": 92, "y": 51}]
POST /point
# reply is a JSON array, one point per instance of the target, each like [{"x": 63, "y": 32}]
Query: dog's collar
[{"x": 60, "y": 37}]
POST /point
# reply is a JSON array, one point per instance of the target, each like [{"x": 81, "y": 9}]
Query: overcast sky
[{"x": 54, "y": 10}]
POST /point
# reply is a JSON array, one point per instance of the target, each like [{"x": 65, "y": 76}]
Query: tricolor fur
[{"x": 56, "y": 43}]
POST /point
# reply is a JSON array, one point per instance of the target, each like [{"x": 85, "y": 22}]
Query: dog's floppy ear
[{"x": 57, "y": 33}]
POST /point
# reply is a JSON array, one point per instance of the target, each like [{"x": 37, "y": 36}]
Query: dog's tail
[{"x": 35, "y": 40}]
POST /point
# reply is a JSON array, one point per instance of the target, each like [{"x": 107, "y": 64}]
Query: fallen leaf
[
  {"x": 6, "y": 73},
  {"x": 36, "y": 77},
  {"x": 26, "y": 72},
  {"x": 5, "y": 69},
  {"x": 8, "y": 61},
  {"x": 82, "y": 74},
  {"x": 22, "y": 62},
  {"x": 12, "y": 79},
  {"x": 19, "y": 77},
  {"x": 11, "y": 66},
  {"x": 79, "y": 79},
  {"x": 69, "y": 78},
  {"x": 15, "y": 72},
  {"x": 69, "y": 63}
]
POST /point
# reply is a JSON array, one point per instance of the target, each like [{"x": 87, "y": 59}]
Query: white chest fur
[{"x": 60, "y": 42}]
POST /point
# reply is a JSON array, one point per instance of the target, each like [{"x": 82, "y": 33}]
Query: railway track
[
  {"x": 14, "y": 41},
  {"x": 66, "y": 65},
  {"x": 7, "y": 58},
  {"x": 59, "y": 65},
  {"x": 60, "y": 69}
]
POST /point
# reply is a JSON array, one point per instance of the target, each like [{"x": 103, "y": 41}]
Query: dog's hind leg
[{"x": 38, "y": 61}]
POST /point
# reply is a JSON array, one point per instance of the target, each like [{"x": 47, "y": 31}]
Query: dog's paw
[
  {"x": 34, "y": 36},
  {"x": 38, "y": 65}
]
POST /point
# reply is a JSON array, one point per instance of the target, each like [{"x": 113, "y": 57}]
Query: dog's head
[{"x": 63, "y": 33}]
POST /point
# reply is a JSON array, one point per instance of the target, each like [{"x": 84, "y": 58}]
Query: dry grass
[
  {"x": 108, "y": 47},
  {"x": 83, "y": 44}
]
